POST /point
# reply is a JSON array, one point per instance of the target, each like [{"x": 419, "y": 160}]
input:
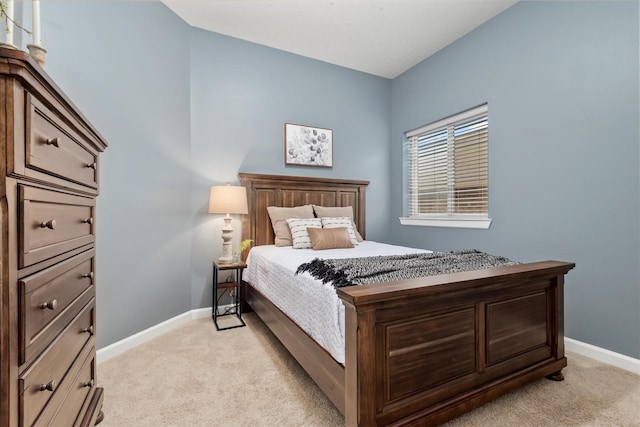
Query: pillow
[
  {"x": 298, "y": 226},
  {"x": 279, "y": 217},
  {"x": 337, "y": 211},
  {"x": 343, "y": 221},
  {"x": 329, "y": 238}
]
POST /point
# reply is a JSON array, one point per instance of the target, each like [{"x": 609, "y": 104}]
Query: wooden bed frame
[{"x": 420, "y": 351}]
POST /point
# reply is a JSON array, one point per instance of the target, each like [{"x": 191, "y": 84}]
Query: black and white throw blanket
[{"x": 378, "y": 269}]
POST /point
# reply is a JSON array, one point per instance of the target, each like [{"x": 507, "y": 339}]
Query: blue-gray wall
[
  {"x": 561, "y": 81},
  {"x": 126, "y": 66},
  {"x": 183, "y": 109},
  {"x": 241, "y": 96}
]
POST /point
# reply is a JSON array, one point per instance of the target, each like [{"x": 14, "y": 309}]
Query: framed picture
[{"x": 308, "y": 145}]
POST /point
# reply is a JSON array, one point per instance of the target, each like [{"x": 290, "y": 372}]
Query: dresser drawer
[
  {"x": 64, "y": 409},
  {"x": 48, "y": 375},
  {"x": 50, "y": 299},
  {"x": 53, "y": 147},
  {"x": 52, "y": 223}
]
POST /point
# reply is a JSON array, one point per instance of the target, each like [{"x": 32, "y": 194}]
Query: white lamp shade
[{"x": 228, "y": 199}]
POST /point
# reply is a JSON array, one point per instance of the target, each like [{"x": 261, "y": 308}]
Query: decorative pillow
[
  {"x": 298, "y": 226},
  {"x": 342, "y": 221},
  {"x": 338, "y": 211},
  {"x": 329, "y": 238},
  {"x": 279, "y": 217}
]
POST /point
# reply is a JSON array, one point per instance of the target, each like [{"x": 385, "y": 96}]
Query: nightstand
[{"x": 232, "y": 288}]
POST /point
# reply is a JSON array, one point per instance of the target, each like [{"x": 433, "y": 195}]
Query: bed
[{"x": 419, "y": 351}]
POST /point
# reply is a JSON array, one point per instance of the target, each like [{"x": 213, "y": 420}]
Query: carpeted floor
[{"x": 195, "y": 376}]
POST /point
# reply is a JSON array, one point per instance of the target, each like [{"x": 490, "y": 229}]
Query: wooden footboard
[{"x": 424, "y": 351}]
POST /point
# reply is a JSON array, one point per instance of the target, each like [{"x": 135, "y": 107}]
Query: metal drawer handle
[
  {"x": 88, "y": 275},
  {"x": 89, "y": 383},
  {"x": 51, "y": 224},
  {"x": 91, "y": 165},
  {"x": 87, "y": 221},
  {"x": 53, "y": 141},
  {"x": 51, "y": 305},
  {"x": 51, "y": 386},
  {"x": 88, "y": 330}
]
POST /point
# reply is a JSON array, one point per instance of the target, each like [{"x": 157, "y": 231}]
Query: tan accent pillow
[
  {"x": 279, "y": 215},
  {"x": 329, "y": 238},
  {"x": 336, "y": 211}
]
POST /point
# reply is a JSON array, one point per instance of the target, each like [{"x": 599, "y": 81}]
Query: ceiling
[{"x": 380, "y": 37}]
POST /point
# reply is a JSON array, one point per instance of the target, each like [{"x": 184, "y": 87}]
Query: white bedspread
[{"x": 313, "y": 306}]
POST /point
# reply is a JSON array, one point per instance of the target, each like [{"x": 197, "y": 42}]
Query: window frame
[{"x": 455, "y": 220}]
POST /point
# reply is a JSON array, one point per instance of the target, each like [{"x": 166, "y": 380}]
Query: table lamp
[{"x": 227, "y": 199}]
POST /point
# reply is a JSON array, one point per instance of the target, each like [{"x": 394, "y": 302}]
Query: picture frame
[{"x": 308, "y": 145}]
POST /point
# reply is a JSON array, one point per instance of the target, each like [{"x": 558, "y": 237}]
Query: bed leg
[
  {"x": 244, "y": 305},
  {"x": 556, "y": 376}
]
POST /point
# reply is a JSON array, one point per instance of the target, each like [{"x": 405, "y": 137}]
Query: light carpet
[{"x": 196, "y": 376}]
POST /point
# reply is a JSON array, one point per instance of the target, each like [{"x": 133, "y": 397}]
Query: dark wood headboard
[{"x": 289, "y": 191}]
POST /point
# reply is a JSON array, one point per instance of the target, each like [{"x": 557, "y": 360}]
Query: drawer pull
[
  {"x": 89, "y": 383},
  {"x": 51, "y": 386},
  {"x": 53, "y": 141},
  {"x": 51, "y": 305},
  {"x": 88, "y": 276},
  {"x": 51, "y": 224},
  {"x": 91, "y": 165},
  {"x": 88, "y": 330},
  {"x": 87, "y": 221}
]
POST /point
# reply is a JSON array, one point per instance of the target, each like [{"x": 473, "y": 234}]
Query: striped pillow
[
  {"x": 299, "y": 234},
  {"x": 340, "y": 221}
]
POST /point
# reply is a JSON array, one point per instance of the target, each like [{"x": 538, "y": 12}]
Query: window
[{"x": 446, "y": 168}]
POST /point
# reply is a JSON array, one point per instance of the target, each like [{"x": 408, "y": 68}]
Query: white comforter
[{"x": 314, "y": 306}]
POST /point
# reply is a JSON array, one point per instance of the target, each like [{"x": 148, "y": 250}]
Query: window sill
[{"x": 477, "y": 223}]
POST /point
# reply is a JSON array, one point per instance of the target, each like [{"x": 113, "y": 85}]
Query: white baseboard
[
  {"x": 603, "y": 355},
  {"x": 106, "y": 353},
  {"x": 119, "y": 347}
]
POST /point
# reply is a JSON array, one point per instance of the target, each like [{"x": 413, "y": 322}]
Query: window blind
[{"x": 446, "y": 166}]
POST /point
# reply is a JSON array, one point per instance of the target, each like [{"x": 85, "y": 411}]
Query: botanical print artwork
[{"x": 309, "y": 146}]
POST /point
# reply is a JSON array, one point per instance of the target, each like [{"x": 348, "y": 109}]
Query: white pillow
[
  {"x": 340, "y": 221},
  {"x": 299, "y": 234}
]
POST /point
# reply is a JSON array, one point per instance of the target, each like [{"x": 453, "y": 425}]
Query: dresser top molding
[{"x": 19, "y": 65}]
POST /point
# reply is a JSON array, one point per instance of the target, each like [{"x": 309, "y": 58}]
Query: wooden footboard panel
[{"x": 421, "y": 352}]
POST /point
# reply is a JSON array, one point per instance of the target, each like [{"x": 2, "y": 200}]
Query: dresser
[{"x": 48, "y": 187}]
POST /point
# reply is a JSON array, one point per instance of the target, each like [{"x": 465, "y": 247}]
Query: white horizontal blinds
[
  {"x": 471, "y": 164},
  {"x": 410, "y": 155},
  {"x": 431, "y": 180},
  {"x": 446, "y": 166}
]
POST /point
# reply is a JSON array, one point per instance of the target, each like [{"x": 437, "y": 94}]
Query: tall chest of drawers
[{"x": 48, "y": 185}]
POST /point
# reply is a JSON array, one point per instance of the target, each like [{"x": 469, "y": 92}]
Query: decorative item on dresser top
[
  {"x": 7, "y": 15},
  {"x": 36, "y": 50},
  {"x": 48, "y": 185}
]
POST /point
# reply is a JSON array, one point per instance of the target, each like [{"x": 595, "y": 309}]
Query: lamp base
[{"x": 227, "y": 236}]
